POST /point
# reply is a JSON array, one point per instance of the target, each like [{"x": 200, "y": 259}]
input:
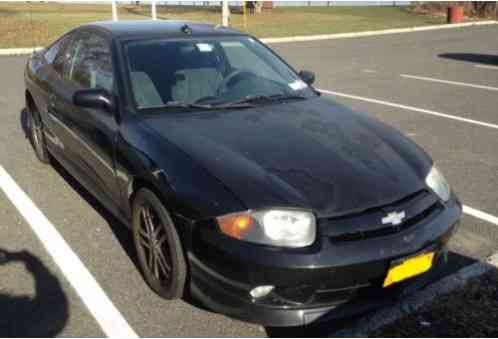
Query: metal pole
[
  {"x": 154, "y": 12},
  {"x": 244, "y": 11},
  {"x": 225, "y": 14},
  {"x": 114, "y": 10}
]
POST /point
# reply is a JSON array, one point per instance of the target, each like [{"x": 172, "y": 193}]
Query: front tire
[
  {"x": 37, "y": 137},
  {"x": 158, "y": 246}
]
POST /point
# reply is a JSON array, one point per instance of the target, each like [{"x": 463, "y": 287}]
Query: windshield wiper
[
  {"x": 183, "y": 105},
  {"x": 260, "y": 98},
  {"x": 176, "y": 104}
]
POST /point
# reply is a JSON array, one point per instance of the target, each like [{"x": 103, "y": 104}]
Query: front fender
[{"x": 187, "y": 189}]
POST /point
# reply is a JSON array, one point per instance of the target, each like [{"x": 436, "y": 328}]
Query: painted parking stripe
[
  {"x": 487, "y": 67},
  {"x": 456, "y": 83},
  {"x": 411, "y": 108},
  {"x": 99, "y": 305},
  {"x": 466, "y": 209},
  {"x": 480, "y": 215}
]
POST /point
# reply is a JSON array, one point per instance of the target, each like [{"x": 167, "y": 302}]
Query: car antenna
[{"x": 186, "y": 29}]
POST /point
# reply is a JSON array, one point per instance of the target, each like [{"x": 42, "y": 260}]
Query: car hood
[{"x": 312, "y": 154}]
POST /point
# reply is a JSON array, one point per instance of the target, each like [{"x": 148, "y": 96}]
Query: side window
[
  {"x": 57, "y": 54},
  {"x": 91, "y": 64},
  {"x": 241, "y": 57},
  {"x": 52, "y": 52}
]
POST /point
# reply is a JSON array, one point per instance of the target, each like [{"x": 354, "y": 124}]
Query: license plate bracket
[{"x": 406, "y": 268}]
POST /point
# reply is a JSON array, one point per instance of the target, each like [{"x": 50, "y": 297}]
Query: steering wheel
[{"x": 237, "y": 74}]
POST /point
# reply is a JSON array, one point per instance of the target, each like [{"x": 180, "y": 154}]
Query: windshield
[{"x": 209, "y": 72}]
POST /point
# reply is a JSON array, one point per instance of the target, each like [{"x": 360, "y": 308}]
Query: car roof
[{"x": 164, "y": 28}]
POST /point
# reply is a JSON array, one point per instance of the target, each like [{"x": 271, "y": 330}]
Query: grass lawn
[{"x": 37, "y": 24}]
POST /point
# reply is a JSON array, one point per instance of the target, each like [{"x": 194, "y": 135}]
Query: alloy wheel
[
  {"x": 36, "y": 133},
  {"x": 153, "y": 239}
]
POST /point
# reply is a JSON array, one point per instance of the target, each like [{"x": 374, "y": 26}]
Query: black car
[{"x": 243, "y": 186}]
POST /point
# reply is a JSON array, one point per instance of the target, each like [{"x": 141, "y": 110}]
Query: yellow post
[{"x": 244, "y": 12}]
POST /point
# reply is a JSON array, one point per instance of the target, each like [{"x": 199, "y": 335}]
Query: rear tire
[
  {"x": 36, "y": 136},
  {"x": 158, "y": 246}
]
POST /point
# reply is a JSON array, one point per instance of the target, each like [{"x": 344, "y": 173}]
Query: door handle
[
  {"x": 51, "y": 100},
  {"x": 51, "y": 106}
]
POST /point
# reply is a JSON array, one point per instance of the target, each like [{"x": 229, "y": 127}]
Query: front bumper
[{"x": 325, "y": 281}]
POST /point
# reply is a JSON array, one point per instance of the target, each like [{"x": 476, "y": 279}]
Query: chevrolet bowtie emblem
[{"x": 394, "y": 218}]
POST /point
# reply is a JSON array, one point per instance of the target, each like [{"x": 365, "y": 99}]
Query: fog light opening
[{"x": 261, "y": 291}]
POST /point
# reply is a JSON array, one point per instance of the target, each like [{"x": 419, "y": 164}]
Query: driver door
[{"x": 91, "y": 133}]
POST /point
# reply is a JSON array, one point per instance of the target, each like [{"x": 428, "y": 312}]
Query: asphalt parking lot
[{"x": 439, "y": 88}]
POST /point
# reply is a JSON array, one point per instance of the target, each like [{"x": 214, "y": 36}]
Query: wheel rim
[
  {"x": 36, "y": 132},
  {"x": 152, "y": 238}
]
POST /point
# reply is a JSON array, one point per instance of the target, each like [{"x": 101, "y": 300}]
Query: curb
[
  {"x": 373, "y": 33},
  {"x": 29, "y": 50},
  {"x": 412, "y": 303},
  {"x": 19, "y": 51}
]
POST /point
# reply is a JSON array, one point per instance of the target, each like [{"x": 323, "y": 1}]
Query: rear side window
[
  {"x": 91, "y": 63},
  {"x": 57, "y": 55},
  {"x": 54, "y": 50}
]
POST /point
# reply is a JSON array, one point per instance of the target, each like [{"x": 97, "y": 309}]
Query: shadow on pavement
[
  {"x": 121, "y": 231},
  {"x": 345, "y": 325},
  {"x": 43, "y": 315},
  {"x": 23, "y": 119},
  {"x": 466, "y": 312},
  {"x": 320, "y": 329},
  {"x": 485, "y": 59}
]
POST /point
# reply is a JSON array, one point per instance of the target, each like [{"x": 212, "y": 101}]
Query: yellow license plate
[{"x": 409, "y": 268}]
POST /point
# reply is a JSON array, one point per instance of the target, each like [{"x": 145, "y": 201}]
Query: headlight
[
  {"x": 276, "y": 227},
  {"x": 436, "y": 181}
]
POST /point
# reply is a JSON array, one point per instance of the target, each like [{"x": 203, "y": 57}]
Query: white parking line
[
  {"x": 410, "y": 108},
  {"x": 99, "y": 305},
  {"x": 466, "y": 209},
  {"x": 456, "y": 83},
  {"x": 487, "y": 67},
  {"x": 480, "y": 215}
]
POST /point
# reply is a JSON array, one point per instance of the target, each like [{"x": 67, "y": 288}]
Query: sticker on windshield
[
  {"x": 298, "y": 85},
  {"x": 231, "y": 44},
  {"x": 203, "y": 47}
]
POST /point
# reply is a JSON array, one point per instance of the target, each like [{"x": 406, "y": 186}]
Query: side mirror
[
  {"x": 94, "y": 98},
  {"x": 307, "y": 76}
]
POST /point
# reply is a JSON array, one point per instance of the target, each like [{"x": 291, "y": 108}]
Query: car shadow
[
  {"x": 344, "y": 326},
  {"x": 121, "y": 231},
  {"x": 485, "y": 59},
  {"x": 23, "y": 120},
  {"x": 319, "y": 329},
  {"x": 43, "y": 315}
]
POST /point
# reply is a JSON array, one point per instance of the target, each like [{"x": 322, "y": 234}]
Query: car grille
[{"x": 368, "y": 224}]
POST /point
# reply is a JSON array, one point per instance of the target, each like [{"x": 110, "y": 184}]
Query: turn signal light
[{"x": 236, "y": 226}]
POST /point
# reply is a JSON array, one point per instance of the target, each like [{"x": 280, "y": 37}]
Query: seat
[
  {"x": 193, "y": 84},
  {"x": 145, "y": 91}
]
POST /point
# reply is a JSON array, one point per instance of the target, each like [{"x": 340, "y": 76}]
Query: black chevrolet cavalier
[{"x": 241, "y": 184}]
